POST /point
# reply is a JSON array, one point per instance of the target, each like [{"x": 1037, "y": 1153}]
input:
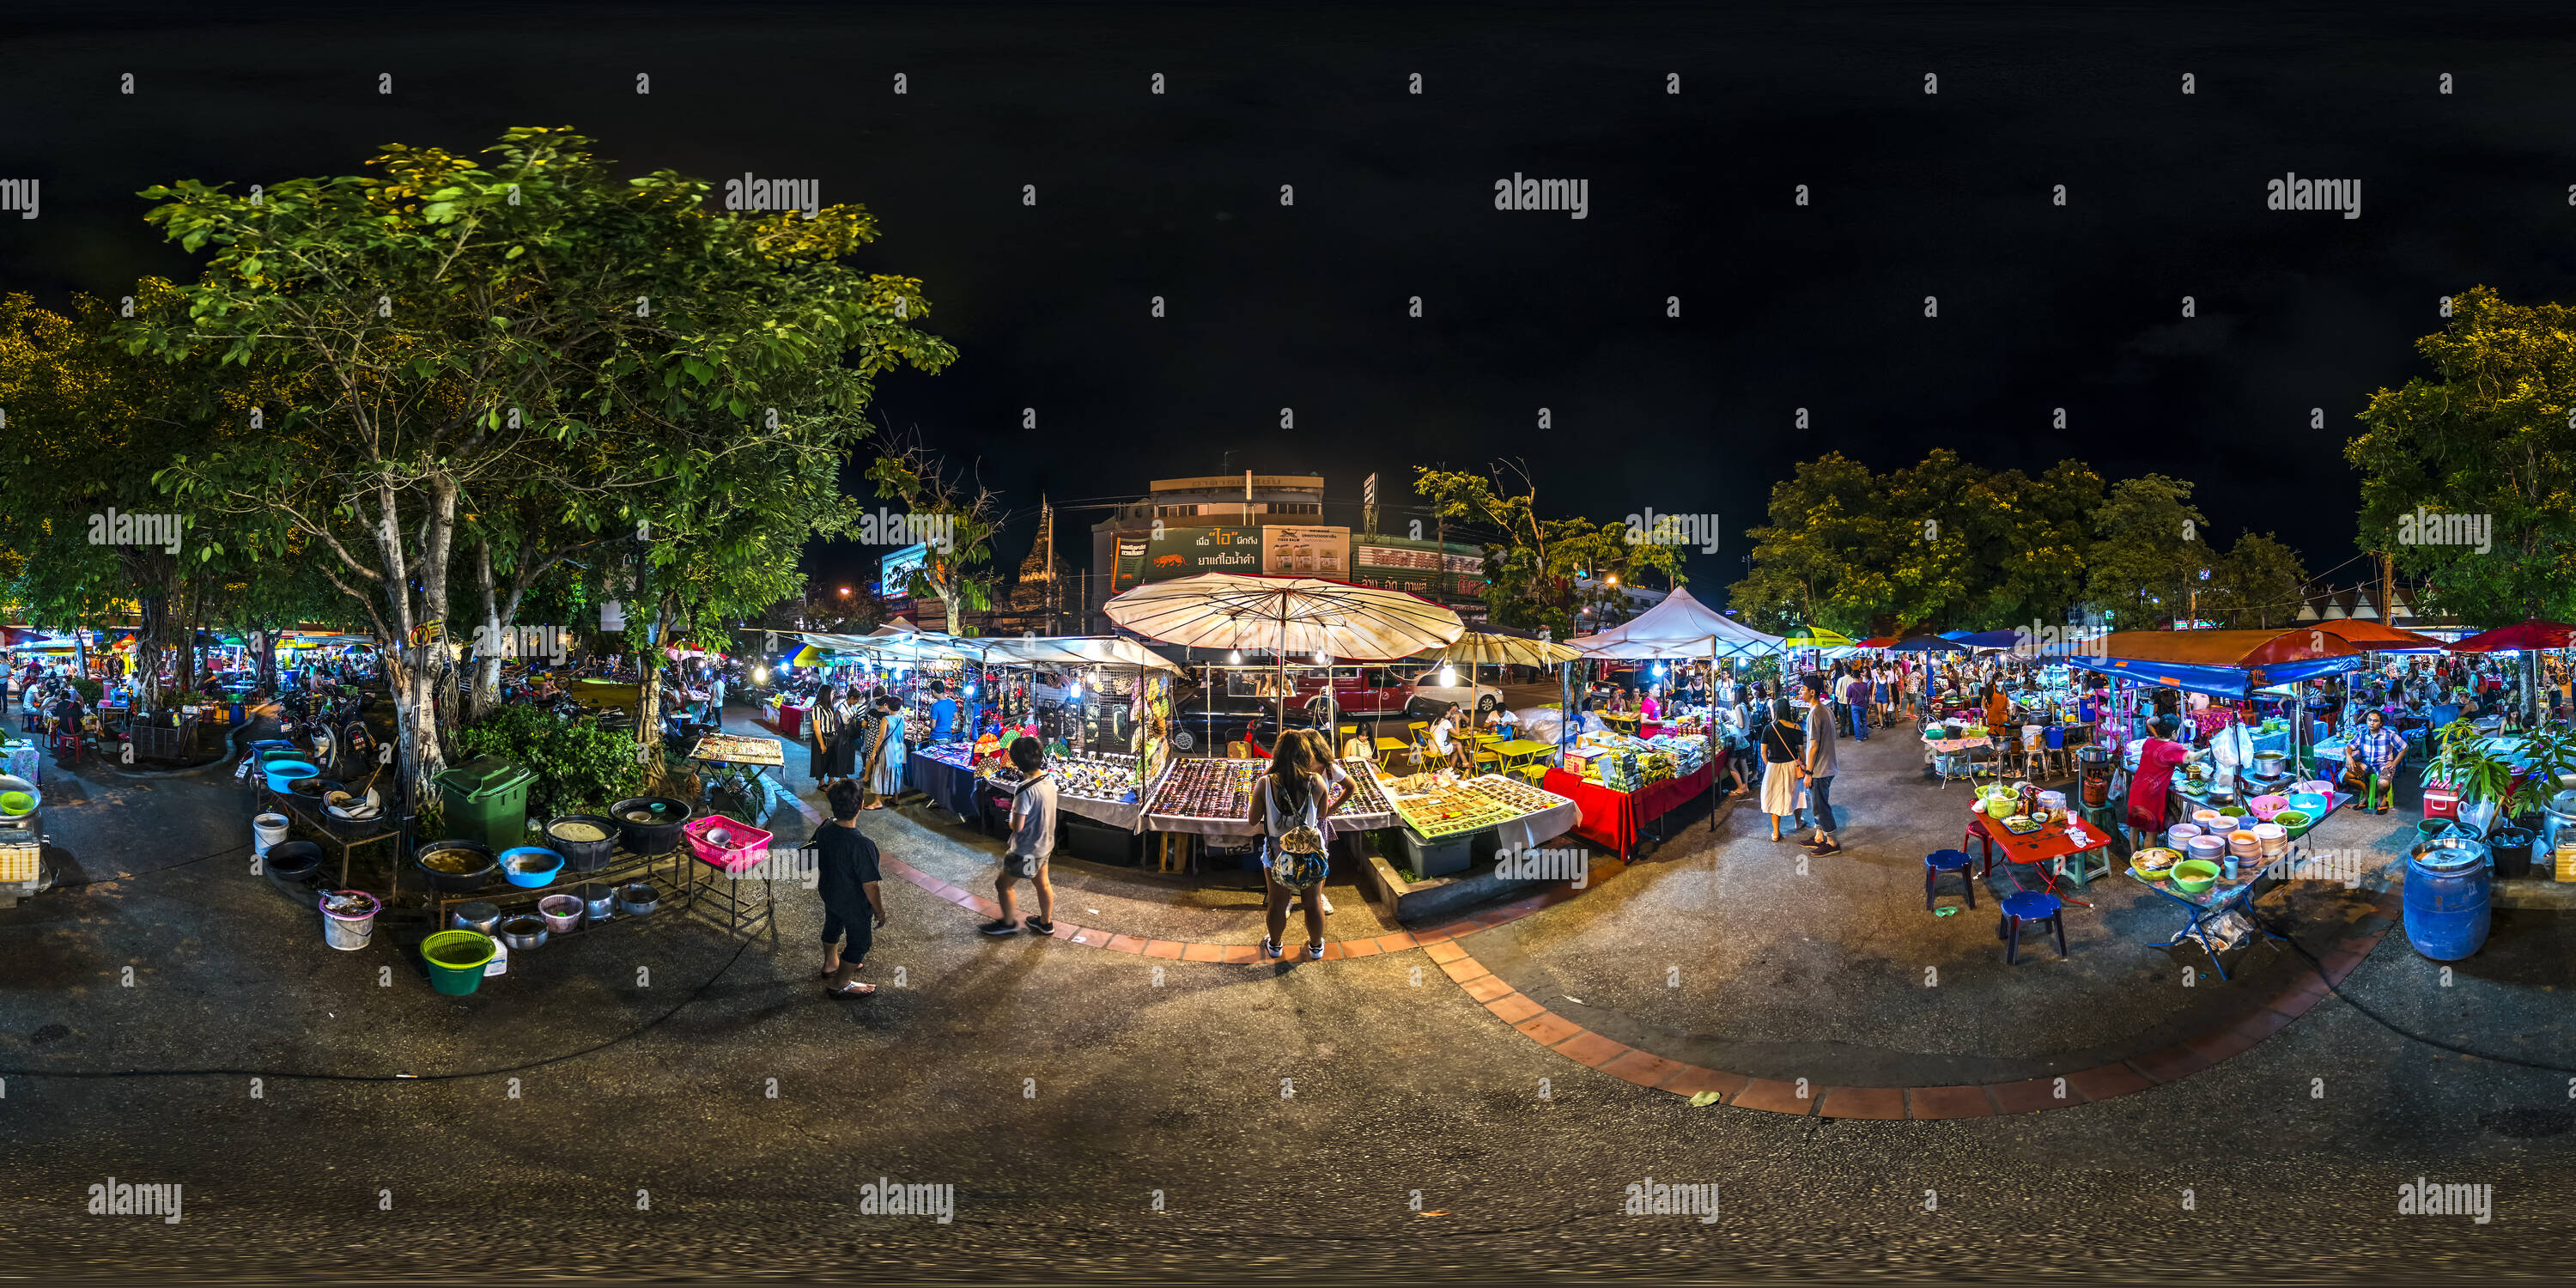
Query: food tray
[
  {"x": 2022, "y": 825},
  {"x": 744, "y": 844}
]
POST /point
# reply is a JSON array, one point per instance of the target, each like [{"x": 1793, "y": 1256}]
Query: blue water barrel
[{"x": 2447, "y": 886}]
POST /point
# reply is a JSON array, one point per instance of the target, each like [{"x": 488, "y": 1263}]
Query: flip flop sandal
[{"x": 854, "y": 990}]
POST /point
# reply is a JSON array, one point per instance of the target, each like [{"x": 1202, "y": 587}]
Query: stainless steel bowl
[
  {"x": 523, "y": 932},
  {"x": 635, "y": 898},
  {"x": 598, "y": 902},
  {"x": 477, "y": 915}
]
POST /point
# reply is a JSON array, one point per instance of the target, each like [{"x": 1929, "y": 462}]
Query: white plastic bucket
[
  {"x": 266, "y": 830},
  {"x": 348, "y": 933}
]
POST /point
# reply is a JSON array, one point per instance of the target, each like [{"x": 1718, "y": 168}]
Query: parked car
[
  {"x": 1465, "y": 692},
  {"x": 1357, "y": 691}
]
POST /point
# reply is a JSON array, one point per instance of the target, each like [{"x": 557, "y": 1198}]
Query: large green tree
[
  {"x": 1542, "y": 573},
  {"x": 452, "y": 332},
  {"x": 2490, "y": 436},
  {"x": 1940, "y": 542}
]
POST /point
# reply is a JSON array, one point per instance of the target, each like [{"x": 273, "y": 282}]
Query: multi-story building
[{"x": 1272, "y": 523}]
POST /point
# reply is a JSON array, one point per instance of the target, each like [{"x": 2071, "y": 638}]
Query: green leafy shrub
[
  {"x": 580, "y": 767},
  {"x": 89, "y": 690}
]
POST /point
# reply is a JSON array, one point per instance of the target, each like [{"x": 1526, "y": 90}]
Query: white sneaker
[{"x": 1325, "y": 900}]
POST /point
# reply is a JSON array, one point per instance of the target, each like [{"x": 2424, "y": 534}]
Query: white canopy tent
[
  {"x": 1075, "y": 650},
  {"x": 1680, "y": 628}
]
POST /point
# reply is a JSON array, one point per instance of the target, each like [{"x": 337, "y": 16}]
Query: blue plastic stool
[
  {"x": 2029, "y": 905},
  {"x": 1940, "y": 861}
]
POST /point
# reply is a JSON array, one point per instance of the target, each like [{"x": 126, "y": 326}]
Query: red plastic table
[{"x": 2048, "y": 843}]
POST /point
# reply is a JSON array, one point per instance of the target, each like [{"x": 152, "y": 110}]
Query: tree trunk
[
  {"x": 2530, "y": 688},
  {"x": 648, "y": 705},
  {"x": 147, "y": 652},
  {"x": 487, "y": 661},
  {"x": 416, "y": 672}
]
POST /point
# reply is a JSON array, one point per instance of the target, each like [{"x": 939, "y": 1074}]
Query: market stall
[{"x": 1679, "y": 628}]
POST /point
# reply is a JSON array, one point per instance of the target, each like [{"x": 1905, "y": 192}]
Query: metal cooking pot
[
  {"x": 598, "y": 902},
  {"x": 636, "y": 898},
  {"x": 477, "y": 915},
  {"x": 2452, "y": 850},
  {"x": 523, "y": 932}
]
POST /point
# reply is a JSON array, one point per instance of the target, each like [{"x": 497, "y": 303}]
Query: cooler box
[{"x": 2441, "y": 802}]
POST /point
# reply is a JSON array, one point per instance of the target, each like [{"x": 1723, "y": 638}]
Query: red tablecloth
[{"x": 1611, "y": 818}]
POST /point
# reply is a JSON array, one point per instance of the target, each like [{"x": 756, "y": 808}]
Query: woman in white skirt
[{"x": 1784, "y": 742}]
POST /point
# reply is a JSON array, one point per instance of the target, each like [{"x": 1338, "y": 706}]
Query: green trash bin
[{"x": 487, "y": 801}]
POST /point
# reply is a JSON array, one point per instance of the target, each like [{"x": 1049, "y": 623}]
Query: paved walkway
[{"x": 1734, "y": 964}]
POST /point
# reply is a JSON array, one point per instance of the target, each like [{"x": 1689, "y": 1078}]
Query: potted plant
[{"x": 2491, "y": 780}]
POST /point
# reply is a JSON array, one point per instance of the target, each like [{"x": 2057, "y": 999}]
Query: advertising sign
[
  {"x": 1306, "y": 551},
  {"x": 1129, "y": 569},
  {"x": 1184, "y": 552},
  {"x": 894, "y": 571}
]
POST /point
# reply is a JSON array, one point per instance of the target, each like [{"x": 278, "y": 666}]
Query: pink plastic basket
[{"x": 744, "y": 844}]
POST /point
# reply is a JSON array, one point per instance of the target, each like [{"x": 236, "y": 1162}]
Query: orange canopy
[
  {"x": 2228, "y": 648},
  {"x": 2378, "y": 637}
]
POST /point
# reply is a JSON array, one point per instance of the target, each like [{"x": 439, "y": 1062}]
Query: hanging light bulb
[
  {"x": 1235, "y": 657},
  {"x": 1448, "y": 677}
]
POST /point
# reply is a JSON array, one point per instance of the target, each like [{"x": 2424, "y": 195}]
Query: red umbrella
[
  {"x": 1881, "y": 641},
  {"x": 2521, "y": 635}
]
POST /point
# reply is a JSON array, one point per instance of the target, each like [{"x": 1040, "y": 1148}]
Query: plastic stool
[
  {"x": 2029, "y": 905},
  {"x": 1940, "y": 861}
]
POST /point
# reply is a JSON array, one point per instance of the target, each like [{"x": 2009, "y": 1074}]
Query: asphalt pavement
[{"x": 666, "y": 1100}]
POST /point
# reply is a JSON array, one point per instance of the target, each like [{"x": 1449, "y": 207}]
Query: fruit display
[
  {"x": 1208, "y": 789},
  {"x": 1100, "y": 778}
]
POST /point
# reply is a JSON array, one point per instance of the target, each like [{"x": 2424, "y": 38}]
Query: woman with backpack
[{"x": 1290, "y": 804}]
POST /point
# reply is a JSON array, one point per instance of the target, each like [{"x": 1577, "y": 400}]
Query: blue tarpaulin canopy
[{"x": 2223, "y": 681}]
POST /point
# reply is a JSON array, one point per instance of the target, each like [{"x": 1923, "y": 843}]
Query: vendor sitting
[
  {"x": 1507, "y": 722},
  {"x": 2370, "y": 761}
]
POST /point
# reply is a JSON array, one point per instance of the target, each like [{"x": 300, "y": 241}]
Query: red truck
[{"x": 1358, "y": 690}]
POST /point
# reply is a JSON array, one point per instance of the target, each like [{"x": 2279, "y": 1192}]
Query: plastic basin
[
  {"x": 530, "y": 866},
  {"x": 282, "y": 774},
  {"x": 2191, "y": 876},
  {"x": 456, "y": 959}
]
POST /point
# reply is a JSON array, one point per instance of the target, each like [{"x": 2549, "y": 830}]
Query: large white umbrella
[
  {"x": 1299, "y": 615},
  {"x": 1485, "y": 648},
  {"x": 1284, "y": 616}
]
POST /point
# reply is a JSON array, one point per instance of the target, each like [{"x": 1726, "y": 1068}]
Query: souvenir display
[
  {"x": 1367, "y": 795},
  {"x": 1100, "y": 778},
  {"x": 1208, "y": 788}
]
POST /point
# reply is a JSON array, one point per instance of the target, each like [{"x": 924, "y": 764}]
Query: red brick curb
[
  {"x": 1802, "y": 1098},
  {"x": 1646, "y": 1069},
  {"x": 1250, "y": 954}
]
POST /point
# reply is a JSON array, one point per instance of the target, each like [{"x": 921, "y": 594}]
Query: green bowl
[
  {"x": 2235, "y": 811},
  {"x": 2297, "y": 822},
  {"x": 17, "y": 803},
  {"x": 2191, "y": 876}
]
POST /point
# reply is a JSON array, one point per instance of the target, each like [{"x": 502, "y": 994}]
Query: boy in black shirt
[{"x": 846, "y": 877}]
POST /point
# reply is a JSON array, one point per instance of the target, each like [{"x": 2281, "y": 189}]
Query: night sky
[{"x": 1177, "y": 195}]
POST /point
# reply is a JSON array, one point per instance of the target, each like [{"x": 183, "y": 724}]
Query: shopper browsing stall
[
  {"x": 1033, "y": 811},
  {"x": 1289, "y": 804}
]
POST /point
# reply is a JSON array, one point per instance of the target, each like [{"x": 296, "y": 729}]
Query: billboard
[
  {"x": 894, "y": 571},
  {"x": 1184, "y": 552},
  {"x": 1305, "y": 551},
  {"x": 1129, "y": 568}
]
